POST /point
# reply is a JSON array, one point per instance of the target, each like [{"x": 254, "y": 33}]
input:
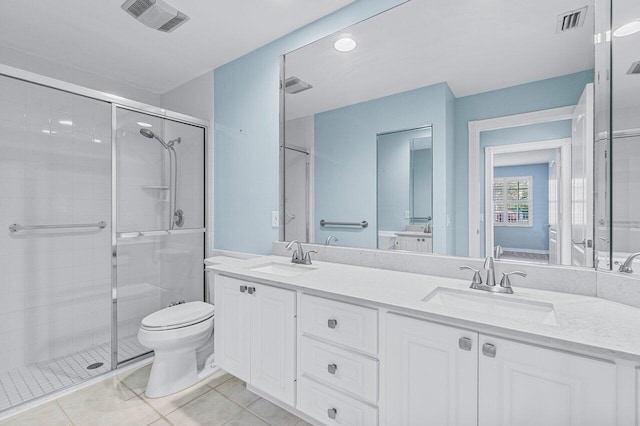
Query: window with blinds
[{"x": 513, "y": 201}]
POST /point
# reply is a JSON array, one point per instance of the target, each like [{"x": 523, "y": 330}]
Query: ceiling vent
[
  {"x": 571, "y": 20},
  {"x": 635, "y": 68},
  {"x": 155, "y": 14},
  {"x": 294, "y": 85}
]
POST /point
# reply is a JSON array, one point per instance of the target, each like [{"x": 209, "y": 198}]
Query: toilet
[{"x": 182, "y": 338}]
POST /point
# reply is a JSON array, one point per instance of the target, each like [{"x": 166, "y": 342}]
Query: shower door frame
[
  {"x": 120, "y": 102},
  {"x": 165, "y": 115}
]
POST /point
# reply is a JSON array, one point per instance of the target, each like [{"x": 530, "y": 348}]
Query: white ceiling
[
  {"x": 539, "y": 156},
  {"x": 626, "y": 51},
  {"x": 99, "y": 37},
  {"x": 475, "y": 46}
]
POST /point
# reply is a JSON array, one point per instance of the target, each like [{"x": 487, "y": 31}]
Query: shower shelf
[{"x": 158, "y": 187}]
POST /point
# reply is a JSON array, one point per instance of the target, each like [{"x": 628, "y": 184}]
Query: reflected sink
[
  {"x": 494, "y": 304},
  {"x": 281, "y": 269}
]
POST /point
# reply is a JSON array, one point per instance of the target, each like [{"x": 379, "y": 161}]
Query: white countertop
[
  {"x": 413, "y": 234},
  {"x": 584, "y": 323}
]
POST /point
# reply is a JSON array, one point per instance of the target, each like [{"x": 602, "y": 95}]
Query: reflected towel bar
[
  {"x": 362, "y": 224},
  {"x": 15, "y": 227}
]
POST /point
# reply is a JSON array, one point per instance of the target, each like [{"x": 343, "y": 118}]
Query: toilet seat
[{"x": 178, "y": 316}]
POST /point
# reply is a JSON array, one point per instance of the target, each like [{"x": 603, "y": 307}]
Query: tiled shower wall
[{"x": 54, "y": 169}]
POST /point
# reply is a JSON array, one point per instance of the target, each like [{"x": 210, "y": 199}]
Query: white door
[
  {"x": 431, "y": 373},
  {"x": 273, "y": 341},
  {"x": 232, "y": 326},
  {"x": 554, "y": 210},
  {"x": 582, "y": 181},
  {"x": 296, "y": 214},
  {"x": 524, "y": 385}
]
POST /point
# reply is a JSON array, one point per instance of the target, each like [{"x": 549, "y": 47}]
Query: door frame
[
  {"x": 479, "y": 126},
  {"x": 564, "y": 146}
]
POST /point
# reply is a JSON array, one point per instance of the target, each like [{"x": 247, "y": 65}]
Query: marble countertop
[
  {"x": 413, "y": 234},
  {"x": 584, "y": 324}
]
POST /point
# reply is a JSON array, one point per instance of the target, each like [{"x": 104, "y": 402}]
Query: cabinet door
[
  {"x": 408, "y": 243},
  {"x": 522, "y": 385},
  {"x": 273, "y": 341},
  {"x": 431, "y": 373},
  {"x": 232, "y": 326}
]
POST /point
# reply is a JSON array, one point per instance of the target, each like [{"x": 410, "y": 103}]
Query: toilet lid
[{"x": 179, "y": 315}]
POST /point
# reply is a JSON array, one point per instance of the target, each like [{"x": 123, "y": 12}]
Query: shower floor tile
[{"x": 35, "y": 380}]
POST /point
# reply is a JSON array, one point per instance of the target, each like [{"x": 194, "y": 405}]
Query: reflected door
[
  {"x": 160, "y": 220},
  {"x": 582, "y": 181}
]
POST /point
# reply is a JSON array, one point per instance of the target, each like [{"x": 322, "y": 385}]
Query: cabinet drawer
[
  {"x": 346, "y": 370},
  {"x": 343, "y": 323},
  {"x": 323, "y": 403}
]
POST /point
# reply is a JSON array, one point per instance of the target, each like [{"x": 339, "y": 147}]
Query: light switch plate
[
  {"x": 275, "y": 219},
  {"x": 407, "y": 214}
]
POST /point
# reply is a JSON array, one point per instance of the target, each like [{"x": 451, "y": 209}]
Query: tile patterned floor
[
  {"x": 23, "y": 384},
  {"x": 219, "y": 400}
]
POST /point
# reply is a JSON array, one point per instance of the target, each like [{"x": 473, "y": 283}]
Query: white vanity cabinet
[
  {"x": 419, "y": 243},
  {"x": 437, "y": 374},
  {"x": 255, "y": 335},
  {"x": 521, "y": 384},
  {"x": 430, "y": 373}
]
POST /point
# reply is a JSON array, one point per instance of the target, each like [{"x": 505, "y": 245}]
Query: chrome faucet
[
  {"x": 329, "y": 239},
  {"x": 505, "y": 282},
  {"x": 626, "y": 266},
  {"x": 299, "y": 256}
]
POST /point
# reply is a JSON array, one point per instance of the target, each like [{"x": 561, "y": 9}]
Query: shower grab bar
[
  {"x": 16, "y": 228},
  {"x": 138, "y": 234},
  {"x": 362, "y": 224}
]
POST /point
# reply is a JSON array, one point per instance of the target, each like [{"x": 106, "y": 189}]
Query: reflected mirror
[{"x": 461, "y": 128}]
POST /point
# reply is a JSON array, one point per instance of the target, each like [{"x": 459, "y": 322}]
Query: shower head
[{"x": 149, "y": 134}]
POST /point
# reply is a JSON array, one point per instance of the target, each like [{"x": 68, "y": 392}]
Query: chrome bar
[
  {"x": 15, "y": 227},
  {"x": 362, "y": 224},
  {"x": 159, "y": 233}
]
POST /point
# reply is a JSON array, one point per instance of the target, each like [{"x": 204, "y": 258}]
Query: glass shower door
[{"x": 160, "y": 221}]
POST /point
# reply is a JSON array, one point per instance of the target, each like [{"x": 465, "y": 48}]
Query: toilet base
[{"x": 171, "y": 372}]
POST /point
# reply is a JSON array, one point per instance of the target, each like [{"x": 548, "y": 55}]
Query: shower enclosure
[{"x": 104, "y": 225}]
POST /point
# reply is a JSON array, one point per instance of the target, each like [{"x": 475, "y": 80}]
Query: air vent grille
[
  {"x": 571, "y": 20},
  {"x": 635, "y": 68},
  {"x": 138, "y": 7},
  {"x": 171, "y": 24},
  {"x": 293, "y": 85}
]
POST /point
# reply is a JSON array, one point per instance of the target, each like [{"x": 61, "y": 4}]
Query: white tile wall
[{"x": 54, "y": 168}]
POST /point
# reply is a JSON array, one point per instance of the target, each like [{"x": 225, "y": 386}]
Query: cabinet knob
[
  {"x": 251, "y": 290},
  {"x": 331, "y": 368},
  {"x": 332, "y": 323},
  {"x": 489, "y": 350},
  {"x": 332, "y": 413},
  {"x": 243, "y": 288},
  {"x": 465, "y": 343}
]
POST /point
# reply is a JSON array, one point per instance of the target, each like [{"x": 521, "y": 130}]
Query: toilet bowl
[{"x": 177, "y": 335}]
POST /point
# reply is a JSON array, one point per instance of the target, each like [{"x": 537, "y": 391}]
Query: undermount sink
[
  {"x": 494, "y": 304},
  {"x": 281, "y": 269}
]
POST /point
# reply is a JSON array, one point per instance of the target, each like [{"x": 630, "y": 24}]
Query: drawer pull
[
  {"x": 489, "y": 350},
  {"x": 331, "y": 368},
  {"x": 332, "y": 413},
  {"x": 465, "y": 343},
  {"x": 251, "y": 290},
  {"x": 332, "y": 323},
  {"x": 243, "y": 288}
]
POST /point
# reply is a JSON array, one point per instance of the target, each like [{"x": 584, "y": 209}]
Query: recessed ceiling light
[
  {"x": 627, "y": 29},
  {"x": 97, "y": 141},
  {"x": 143, "y": 124},
  {"x": 66, "y": 122},
  {"x": 345, "y": 44}
]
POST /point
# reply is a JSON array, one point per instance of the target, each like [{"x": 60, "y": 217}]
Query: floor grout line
[{"x": 57, "y": 403}]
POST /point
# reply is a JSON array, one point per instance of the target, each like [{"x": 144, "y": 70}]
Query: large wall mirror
[{"x": 461, "y": 128}]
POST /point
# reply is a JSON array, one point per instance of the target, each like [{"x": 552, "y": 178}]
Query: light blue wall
[
  {"x": 541, "y": 95},
  {"x": 245, "y": 133},
  {"x": 345, "y": 160},
  {"x": 535, "y": 237}
]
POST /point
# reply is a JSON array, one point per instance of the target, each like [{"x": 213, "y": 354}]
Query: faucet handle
[
  {"x": 307, "y": 256},
  {"x": 506, "y": 281},
  {"x": 477, "y": 279}
]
